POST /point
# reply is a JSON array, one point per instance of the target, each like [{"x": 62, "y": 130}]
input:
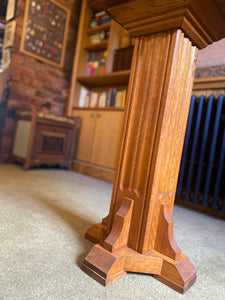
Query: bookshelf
[
  {"x": 111, "y": 38},
  {"x": 93, "y": 66}
]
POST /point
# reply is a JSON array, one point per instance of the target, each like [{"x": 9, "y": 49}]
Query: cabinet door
[
  {"x": 107, "y": 138},
  {"x": 88, "y": 120}
]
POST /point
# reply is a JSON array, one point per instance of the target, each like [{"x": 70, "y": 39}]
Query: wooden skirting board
[
  {"x": 209, "y": 83},
  {"x": 92, "y": 170},
  {"x": 209, "y": 86},
  {"x": 201, "y": 209}
]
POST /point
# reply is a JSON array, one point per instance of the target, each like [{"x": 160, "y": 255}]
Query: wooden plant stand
[{"x": 137, "y": 235}]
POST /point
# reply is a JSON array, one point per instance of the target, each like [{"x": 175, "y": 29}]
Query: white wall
[{"x": 212, "y": 55}]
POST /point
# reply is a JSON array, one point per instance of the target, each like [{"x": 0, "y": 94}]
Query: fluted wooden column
[
  {"x": 153, "y": 137},
  {"x": 137, "y": 235}
]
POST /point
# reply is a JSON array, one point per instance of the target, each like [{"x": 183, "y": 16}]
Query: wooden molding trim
[
  {"x": 201, "y": 209},
  {"x": 209, "y": 83},
  {"x": 93, "y": 170},
  {"x": 184, "y": 15}
]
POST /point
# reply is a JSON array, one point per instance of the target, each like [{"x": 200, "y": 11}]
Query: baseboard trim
[
  {"x": 201, "y": 209},
  {"x": 93, "y": 170}
]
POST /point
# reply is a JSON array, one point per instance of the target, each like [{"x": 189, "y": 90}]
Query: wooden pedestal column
[{"x": 137, "y": 235}]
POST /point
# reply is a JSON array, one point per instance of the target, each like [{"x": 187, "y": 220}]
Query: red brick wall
[
  {"x": 38, "y": 82},
  {"x": 35, "y": 82}
]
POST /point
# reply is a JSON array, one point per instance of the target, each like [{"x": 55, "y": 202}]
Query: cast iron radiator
[{"x": 202, "y": 171}]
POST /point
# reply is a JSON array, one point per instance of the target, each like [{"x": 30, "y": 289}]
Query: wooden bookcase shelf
[
  {"x": 119, "y": 78},
  {"x": 97, "y": 5},
  {"x": 85, "y": 48},
  {"x": 103, "y": 27},
  {"x": 97, "y": 47}
]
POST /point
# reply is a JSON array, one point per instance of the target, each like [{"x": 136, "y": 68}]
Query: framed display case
[{"x": 45, "y": 31}]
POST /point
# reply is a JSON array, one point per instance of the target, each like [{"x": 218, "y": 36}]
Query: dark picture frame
[{"x": 9, "y": 34}]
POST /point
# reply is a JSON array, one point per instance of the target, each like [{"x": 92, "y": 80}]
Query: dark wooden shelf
[
  {"x": 97, "y": 47},
  {"x": 118, "y": 78}
]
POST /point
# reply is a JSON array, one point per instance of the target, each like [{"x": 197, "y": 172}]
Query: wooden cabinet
[
  {"x": 43, "y": 140},
  {"x": 99, "y": 136}
]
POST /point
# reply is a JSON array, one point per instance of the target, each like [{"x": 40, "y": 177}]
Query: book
[
  {"x": 99, "y": 18},
  {"x": 108, "y": 97},
  {"x": 113, "y": 97},
  {"x": 84, "y": 95},
  {"x": 96, "y": 63},
  {"x": 119, "y": 99},
  {"x": 124, "y": 98},
  {"x": 102, "y": 99},
  {"x": 94, "y": 99}
]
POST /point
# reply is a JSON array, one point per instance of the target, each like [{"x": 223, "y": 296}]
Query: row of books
[
  {"x": 111, "y": 98},
  {"x": 99, "y": 18},
  {"x": 97, "y": 55},
  {"x": 96, "y": 63},
  {"x": 95, "y": 68}
]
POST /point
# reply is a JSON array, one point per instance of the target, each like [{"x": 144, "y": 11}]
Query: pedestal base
[
  {"x": 111, "y": 258},
  {"x": 96, "y": 233},
  {"x": 106, "y": 267}
]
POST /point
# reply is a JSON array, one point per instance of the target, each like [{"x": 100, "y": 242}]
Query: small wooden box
[{"x": 45, "y": 140}]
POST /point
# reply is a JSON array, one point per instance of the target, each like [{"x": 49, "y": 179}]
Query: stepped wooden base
[
  {"x": 179, "y": 275},
  {"x": 106, "y": 267},
  {"x": 111, "y": 258},
  {"x": 96, "y": 233}
]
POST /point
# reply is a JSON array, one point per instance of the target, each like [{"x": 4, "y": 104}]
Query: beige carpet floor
[{"x": 44, "y": 214}]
